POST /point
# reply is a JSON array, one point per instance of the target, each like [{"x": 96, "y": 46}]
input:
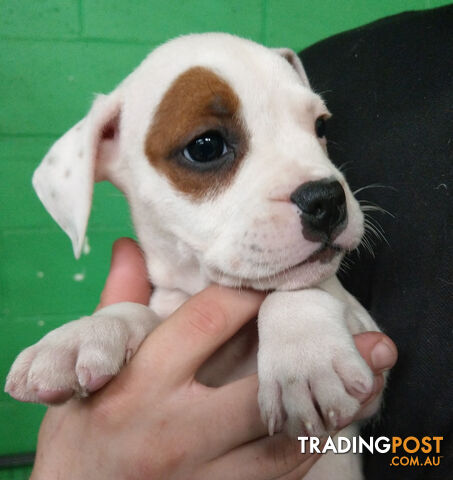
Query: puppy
[{"x": 219, "y": 145}]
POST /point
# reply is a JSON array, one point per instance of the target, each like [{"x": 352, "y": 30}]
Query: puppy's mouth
[
  {"x": 310, "y": 270},
  {"x": 324, "y": 254}
]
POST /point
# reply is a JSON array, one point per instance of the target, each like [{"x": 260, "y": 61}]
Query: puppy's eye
[
  {"x": 320, "y": 127},
  {"x": 206, "y": 148}
]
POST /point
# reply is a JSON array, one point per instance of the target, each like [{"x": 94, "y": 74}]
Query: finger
[
  {"x": 377, "y": 349},
  {"x": 127, "y": 280},
  {"x": 233, "y": 412},
  {"x": 301, "y": 470},
  {"x": 266, "y": 458},
  {"x": 195, "y": 331},
  {"x": 235, "y": 408}
]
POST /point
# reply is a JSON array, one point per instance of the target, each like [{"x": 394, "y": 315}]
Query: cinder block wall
[{"x": 54, "y": 54}]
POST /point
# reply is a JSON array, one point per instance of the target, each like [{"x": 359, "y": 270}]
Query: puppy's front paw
[
  {"x": 309, "y": 390},
  {"x": 77, "y": 358}
]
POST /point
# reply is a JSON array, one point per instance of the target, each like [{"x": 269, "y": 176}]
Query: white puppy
[{"x": 218, "y": 144}]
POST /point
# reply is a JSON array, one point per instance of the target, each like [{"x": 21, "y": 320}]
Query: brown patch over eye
[{"x": 198, "y": 101}]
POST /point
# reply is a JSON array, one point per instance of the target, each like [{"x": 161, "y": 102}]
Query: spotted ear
[
  {"x": 291, "y": 57},
  {"x": 65, "y": 178}
]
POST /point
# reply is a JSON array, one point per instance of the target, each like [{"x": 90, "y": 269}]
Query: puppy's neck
[{"x": 170, "y": 263}]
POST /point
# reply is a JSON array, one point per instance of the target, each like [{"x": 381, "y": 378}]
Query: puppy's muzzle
[{"x": 322, "y": 205}]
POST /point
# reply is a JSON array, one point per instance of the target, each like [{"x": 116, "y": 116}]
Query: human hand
[{"x": 154, "y": 420}]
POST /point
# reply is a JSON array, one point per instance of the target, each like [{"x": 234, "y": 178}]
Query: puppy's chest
[{"x": 235, "y": 359}]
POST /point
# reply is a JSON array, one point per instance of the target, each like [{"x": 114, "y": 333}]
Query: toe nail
[
  {"x": 97, "y": 383},
  {"x": 360, "y": 387},
  {"x": 10, "y": 387},
  {"x": 332, "y": 419},
  {"x": 84, "y": 377},
  {"x": 271, "y": 427}
]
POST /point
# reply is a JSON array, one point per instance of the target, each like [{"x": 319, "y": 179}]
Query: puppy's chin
[{"x": 307, "y": 274}]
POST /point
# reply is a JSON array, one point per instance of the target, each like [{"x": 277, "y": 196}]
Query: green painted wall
[{"x": 54, "y": 54}]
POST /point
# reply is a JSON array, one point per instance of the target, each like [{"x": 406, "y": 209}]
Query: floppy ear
[
  {"x": 291, "y": 57},
  {"x": 65, "y": 178}
]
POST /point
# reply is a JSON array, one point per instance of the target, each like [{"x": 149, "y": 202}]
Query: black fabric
[{"x": 389, "y": 86}]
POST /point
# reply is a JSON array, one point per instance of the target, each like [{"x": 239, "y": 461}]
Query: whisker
[
  {"x": 372, "y": 185},
  {"x": 375, "y": 227},
  {"x": 367, "y": 206},
  {"x": 343, "y": 268},
  {"x": 357, "y": 250},
  {"x": 346, "y": 264},
  {"x": 337, "y": 145},
  {"x": 323, "y": 92},
  {"x": 368, "y": 244},
  {"x": 343, "y": 167},
  {"x": 377, "y": 234}
]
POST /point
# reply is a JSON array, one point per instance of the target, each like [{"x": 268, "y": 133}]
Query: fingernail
[{"x": 382, "y": 356}]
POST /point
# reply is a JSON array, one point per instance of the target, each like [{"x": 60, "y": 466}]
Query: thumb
[
  {"x": 378, "y": 350},
  {"x": 127, "y": 280}
]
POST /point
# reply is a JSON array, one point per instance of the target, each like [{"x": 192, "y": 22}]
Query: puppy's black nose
[{"x": 322, "y": 204}]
